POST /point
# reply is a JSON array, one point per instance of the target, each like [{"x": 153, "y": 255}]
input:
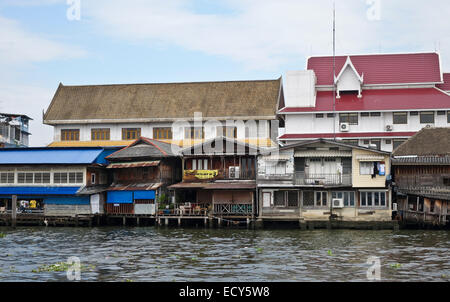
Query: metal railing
[
  {"x": 233, "y": 209},
  {"x": 322, "y": 179}
]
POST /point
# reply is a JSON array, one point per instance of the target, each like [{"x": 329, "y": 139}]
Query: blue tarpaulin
[
  {"x": 85, "y": 200},
  {"x": 144, "y": 194},
  {"x": 120, "y": 197}
]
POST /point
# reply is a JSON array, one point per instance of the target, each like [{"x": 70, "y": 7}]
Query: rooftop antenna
[{"x": 334, "y": 70}]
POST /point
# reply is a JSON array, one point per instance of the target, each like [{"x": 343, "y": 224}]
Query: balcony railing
[
  {"x": 322, "y": 179},
  {"x": 233, "y": 209}
]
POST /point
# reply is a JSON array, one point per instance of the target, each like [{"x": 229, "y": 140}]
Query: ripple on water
[{"x": 149, "y": 254}]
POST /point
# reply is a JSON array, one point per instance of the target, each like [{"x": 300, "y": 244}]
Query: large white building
[
  {"x": 179, "y": 113},
  {"x": 379, "y": 100}
]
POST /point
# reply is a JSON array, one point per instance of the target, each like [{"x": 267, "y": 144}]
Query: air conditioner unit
[
  {"x": 394, "y": 207},
  {"x": 338, "y": 203},
  {"x": 234, "y": 172},
  {"x": 428, "y": 126},
  {"x": 344, "y": 127},
  {"x": 389, "y": 128}
]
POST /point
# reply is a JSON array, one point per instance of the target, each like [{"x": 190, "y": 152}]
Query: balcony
[
  {"x": 233, "y": 209},
  {"x": 322, "y": 179}
]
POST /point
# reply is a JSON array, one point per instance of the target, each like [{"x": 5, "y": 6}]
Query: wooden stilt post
[
  {"x": 166, "y": 222},
  {"x": 124, "y": 221},
  {"x": 14, "y": 211},
  {"x": 179, "y": 222},
  {"x": 137, "y": 221}
]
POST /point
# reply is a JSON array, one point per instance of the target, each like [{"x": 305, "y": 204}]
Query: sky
[{"x": 81, "y": 42}]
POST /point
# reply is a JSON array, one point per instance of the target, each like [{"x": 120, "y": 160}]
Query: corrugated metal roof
[
  {"x": 382, "y": 68},
  {"x": 153, "y": 163},
  {"x": 39, "y": 156},
  {"x": 134, "y": 186},
  {"x": 330, "y": 153},
  {"x": 422, "y": 160},
  {"x": 215, "y": 186}
]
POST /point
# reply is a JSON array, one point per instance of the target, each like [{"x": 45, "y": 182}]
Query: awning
[
  {"x": 329, "y": 153},
  {"x": 370, "y": 158},
  {"x": 120, "y": 197},
  {"x": 188, "y": 185},
  {"x": 277, "y": 157},
  {"x": 135, "y": 164},
  {"x": 20, "y": 191}
]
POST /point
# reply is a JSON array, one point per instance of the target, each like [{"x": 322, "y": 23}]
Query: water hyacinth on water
[{"x": 60, "y": 267}]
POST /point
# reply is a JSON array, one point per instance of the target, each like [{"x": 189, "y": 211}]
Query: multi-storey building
[
  {"x": 178, "y": 113},
  {"x": 14, "y": 130},
  {"x": 374, "y": 100},
  {"x": 321, "y": 181}
]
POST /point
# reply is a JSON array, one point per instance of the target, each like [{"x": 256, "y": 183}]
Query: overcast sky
[{"x": 43, "y": 42}]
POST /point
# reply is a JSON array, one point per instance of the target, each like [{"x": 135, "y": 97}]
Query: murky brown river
[{"x": 151, "y": 254}]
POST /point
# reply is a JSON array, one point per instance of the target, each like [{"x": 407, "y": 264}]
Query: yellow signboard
[{"x": 202, "y": 174}]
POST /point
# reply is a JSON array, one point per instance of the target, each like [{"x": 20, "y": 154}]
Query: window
[
  {"x": 366, "y": 168},
  {"x": 100, "y": 134},
  {"x": 93, "y": 178},
  {"x": 230, "y": 132},
  {"x": 308, "y": 199},
  {"x": 279, "y": 199},
  {"x": 348, "y": 197},
  {"x": 397, "y": 143},
  {"x": 41, "y": 178},
  {"x": 33, "y": 177},
  {"x": 131, "y": 133},
  {"x": 351, "y": 118},
  {"x": 70, "y": 134},
  {"x": 321, "y": 199},
  {"x": 292, "y": 199},
  {"x": 375, "y": 114},
  {"x": 162, "y": 133},
  {"x": 366, "y": 142},
  {"x": 17, "y": 134},
  {"x": 199, "y": 164},
  {"x": 373, "y": 199},
  {"x": 330, "y": 115},
  {"x": 276, "y": 168},
  {"x": 441, "y": 113},
  {"x": 414, "y": 113},
  {"x": 319, "y": 115},
  {"x": 7, "y": 177},
  {"x": 68, "y": 177},
  {"x": 194, "y": 133},
  {"x": 400, "y": 118},
  {"x": 448, "y": 117},
  {"x": 388, "y": 142},
  {"x": 353, "y": 142},
  {"x": 365, "y": 114},
  {"x": 377, "y": 143},
  {"x": 427, "y": 117}
]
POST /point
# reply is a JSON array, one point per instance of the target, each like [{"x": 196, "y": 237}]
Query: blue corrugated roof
[
  {"x": 38, "y": 190},
  {"x": 36, "y": 156}
]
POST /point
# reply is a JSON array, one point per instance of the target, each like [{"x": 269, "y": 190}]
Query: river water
[{"x": 160, "y": 254}]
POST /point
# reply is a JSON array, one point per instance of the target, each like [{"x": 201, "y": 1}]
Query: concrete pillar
[
  {"x": 166, "y": 221},
  {"x": 179, "y": 222},
  {"x": 14, "y": 211},
  {"x": 124, "y": 221},
  {"x": 137, "y": 221}
]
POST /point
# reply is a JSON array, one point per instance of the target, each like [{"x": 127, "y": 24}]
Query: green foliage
[
  {"x": 2, "y": 235},
  {"x": 60, "y": 267}
]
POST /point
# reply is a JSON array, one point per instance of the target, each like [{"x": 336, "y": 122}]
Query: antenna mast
[{"x": 334, "y": 70}]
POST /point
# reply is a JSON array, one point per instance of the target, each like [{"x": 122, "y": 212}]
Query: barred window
[{"x": 7, "y": 177}]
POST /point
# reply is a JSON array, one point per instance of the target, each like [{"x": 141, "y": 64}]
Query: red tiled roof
[
  {"x": 382, "y": 69},
  {"x": 446, "y": 85},
  {"x": 379, "y": 100},
  {"x": 346, "y": 135}
]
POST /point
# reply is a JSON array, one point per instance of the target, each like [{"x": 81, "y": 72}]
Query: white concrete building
[{"x": 379, "y": 100}]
